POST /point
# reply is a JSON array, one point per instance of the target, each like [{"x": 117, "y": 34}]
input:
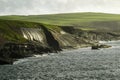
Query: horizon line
[{"x": 56, "y": 13}]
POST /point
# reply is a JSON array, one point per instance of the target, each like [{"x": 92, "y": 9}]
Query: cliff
[{"x": 21, "y": 38}]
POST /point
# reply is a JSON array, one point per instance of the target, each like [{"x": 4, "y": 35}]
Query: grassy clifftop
[
  {"x": 66, "y": 19},
  {"x": 11, "y": 30},
  {"x": 85, "y": 21}
]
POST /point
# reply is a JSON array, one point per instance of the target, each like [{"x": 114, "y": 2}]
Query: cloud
[{"x": 30, "y": 7}]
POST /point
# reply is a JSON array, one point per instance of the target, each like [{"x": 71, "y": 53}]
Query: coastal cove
[
  {"x": 59, "y": 39},
  {"x": 82, "y": 63}
]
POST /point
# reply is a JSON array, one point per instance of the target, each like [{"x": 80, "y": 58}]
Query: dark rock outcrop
[
  {"x": 12, "y": 51},
  {"x": 6, "y": 61},
  {"x": 98, "y": 46}
]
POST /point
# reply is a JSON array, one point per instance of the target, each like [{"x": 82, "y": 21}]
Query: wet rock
[
  {"x": 100, "y": 46},
  {"x": 4, "y": 61},
  {"x": 10, "y": 51},
  {"x": 95, "y": 47}
]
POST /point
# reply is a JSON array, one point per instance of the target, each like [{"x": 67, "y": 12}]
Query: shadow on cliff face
[{"x": 51, "y": 41}]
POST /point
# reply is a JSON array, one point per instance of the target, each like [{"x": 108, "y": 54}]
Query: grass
[
  {"x": 66, "y": 19},
  {"x": 10, "y": 30},
  {"x": 95, "y": 21}
]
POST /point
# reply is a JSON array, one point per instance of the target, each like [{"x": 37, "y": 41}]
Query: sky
[{"x": 37, "y": 7}]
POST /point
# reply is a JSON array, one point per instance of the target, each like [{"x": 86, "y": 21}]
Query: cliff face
[
  {"x": 20, "y": 39},
  {"x": 50, "y": 36},
  {"x": 90, "y": 36}
]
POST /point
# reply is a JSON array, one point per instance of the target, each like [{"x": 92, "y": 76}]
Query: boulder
[{"x": 95, "y": 47}]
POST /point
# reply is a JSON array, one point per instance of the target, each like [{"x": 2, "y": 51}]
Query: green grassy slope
[
  {"x": 11, "y": 30},
  {"x": 66, "y": 19},
  {"x": 86, "y": 21}
]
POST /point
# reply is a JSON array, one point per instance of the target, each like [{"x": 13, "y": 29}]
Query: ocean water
[{"x": 80, "y": 64}]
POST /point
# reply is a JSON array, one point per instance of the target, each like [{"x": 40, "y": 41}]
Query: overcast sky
[{"x": 33, "y": 7}]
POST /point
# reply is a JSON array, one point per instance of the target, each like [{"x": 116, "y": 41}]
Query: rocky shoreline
[{"x": 11, "y": 51}]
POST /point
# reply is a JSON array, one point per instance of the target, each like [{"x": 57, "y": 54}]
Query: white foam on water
[
  {"x": 20, "y": 61},
  {"x": 41, "y": 55},
  {"x": 113, "y": 41}
]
